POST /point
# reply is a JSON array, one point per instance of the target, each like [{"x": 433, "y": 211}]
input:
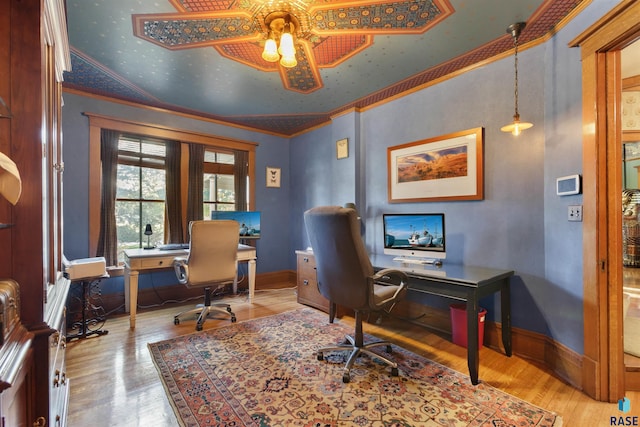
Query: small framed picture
[
  {"x": 342, "y": 148},
  {"x": 273, "y": 177}
]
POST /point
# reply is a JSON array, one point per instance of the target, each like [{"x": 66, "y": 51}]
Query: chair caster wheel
[
  {"x": 389, "y": 349},
  {"x": 346, "y": 378},
  {"x": 233, "y": 319},
  {"x": 176, "y": 321},
  {"x": 198, "y": 327},
  {"x": 320, "y": 356},
  {"x": 394, "y": 372}
]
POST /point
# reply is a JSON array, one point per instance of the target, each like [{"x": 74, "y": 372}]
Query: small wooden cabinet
[
  {"x": 307, "y": 283},
  {"x": 308, "y": 293}
]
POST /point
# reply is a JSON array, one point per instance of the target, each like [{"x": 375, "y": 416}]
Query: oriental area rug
[{"x": 264, "y": 372}]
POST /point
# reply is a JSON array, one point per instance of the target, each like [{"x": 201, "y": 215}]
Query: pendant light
[
  {"x": 517, "y": 126},
  {"x": 279, "y": 45}
]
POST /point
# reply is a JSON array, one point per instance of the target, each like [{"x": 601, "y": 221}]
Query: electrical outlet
[{"x": 575, "y": 213}]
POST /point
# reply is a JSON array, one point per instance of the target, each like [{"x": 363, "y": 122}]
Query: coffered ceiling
[{"x": 203, "y": 57}]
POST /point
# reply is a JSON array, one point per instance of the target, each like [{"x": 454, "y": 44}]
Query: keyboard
[
  {"x": 173, "y": 246},
  {"x": 420, "y": 261}
]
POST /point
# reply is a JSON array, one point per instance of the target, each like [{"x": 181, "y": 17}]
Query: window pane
[
  {"x": 215, "y": 157},
  {"x": 128, "y": 182},
  {"x": 218, "y": 188},
  {"x": 153, "y": 213},
  {"x": 153, "y": 184},
  {"x": 226, "y": 189},
  {"x": 209, "y": 189},
  {"x": 227, "y": 159},
  {"x": 131, "y": 220},
  {"x": 128, "y": 225}
]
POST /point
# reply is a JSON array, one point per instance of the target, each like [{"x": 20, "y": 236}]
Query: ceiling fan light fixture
[
  {"x": 270, "y": 52},
  {"x": 280, "y": 45},
  {"x": 288, "y": 61},
  {"x": 286, "y": 45},
  {"x": 517, "y": 126}
]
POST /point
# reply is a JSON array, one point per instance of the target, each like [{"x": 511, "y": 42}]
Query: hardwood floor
[{"x": 114, "y": 382}]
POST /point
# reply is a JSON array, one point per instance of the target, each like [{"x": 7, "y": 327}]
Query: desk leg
[
  {"x": 505, "y": 308},
  {"x": 131, "y": 295},
  {"x": 473, "y": 357},
  {"x": 252, "y": 279},
  {"x": 235, "y": 281}
]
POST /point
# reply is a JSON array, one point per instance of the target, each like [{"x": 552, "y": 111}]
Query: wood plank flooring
[{"x": 114, "y": 382}]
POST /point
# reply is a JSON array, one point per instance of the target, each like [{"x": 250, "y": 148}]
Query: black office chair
[
  {"x": 212, "y": 261},
  {"x": 347, "y": 278}
]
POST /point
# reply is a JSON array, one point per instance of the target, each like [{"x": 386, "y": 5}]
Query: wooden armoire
[{"x": 34, "y": 53}]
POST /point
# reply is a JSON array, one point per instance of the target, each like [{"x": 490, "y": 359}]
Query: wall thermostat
[{"x": 568, "y": 185}]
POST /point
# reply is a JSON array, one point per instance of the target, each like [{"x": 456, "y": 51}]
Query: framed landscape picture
[{"x": 447, "y": 167}]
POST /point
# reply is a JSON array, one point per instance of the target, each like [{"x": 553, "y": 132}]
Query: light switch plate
[{"x": 575, "y": 213}]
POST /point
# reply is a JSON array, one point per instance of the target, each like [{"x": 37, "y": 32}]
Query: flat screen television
[
  {"x": 414, "y": 236},
  {"x": 249, "y": 222}
]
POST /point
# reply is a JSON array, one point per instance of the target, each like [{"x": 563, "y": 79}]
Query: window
[
  {"x": 141, "y": 182},
  {"x": 140, "y": 194},
  {"x": 219, "y": 182}
]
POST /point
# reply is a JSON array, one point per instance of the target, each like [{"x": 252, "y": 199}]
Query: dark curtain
[
  {"x": 196, "y": 183},
  {"x": 174, "y": 201},
  {"x": 108, "y": 238},
  {"x": 241, "y": 166}
]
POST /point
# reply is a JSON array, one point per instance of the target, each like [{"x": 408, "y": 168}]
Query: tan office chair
[
  {"x": 212, "y": 261},
  {"x": 346, "y": 277}
]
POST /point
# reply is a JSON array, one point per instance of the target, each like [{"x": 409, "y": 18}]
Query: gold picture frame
[
  {"x": 273, "y": 177},
  {"x": 444, "y": 168},
  {"x": 342, "y": 148}
]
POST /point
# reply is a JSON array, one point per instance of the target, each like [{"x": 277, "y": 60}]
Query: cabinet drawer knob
[
  {"x": 161, "y": 262},
  {"x": 305, "y": 282},
  {"x": 55, "y": 339}
]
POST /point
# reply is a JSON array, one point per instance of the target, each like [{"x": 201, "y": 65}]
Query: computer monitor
[
  {"x": 419, "y": 235},
  {"x": 249, "y": 222}
]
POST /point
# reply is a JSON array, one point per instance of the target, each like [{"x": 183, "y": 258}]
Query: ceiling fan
[{"x": 325, "y": 32}]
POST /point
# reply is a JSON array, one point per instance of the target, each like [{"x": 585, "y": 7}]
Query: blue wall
[{"x": 521, "y": 224}]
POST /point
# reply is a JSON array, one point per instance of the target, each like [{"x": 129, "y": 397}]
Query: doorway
[{"x": 604, "y": 375}]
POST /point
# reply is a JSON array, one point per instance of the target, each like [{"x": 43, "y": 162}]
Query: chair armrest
[
  {"x": 181, "y": 267},
  {"x": 390, "y": 276}
]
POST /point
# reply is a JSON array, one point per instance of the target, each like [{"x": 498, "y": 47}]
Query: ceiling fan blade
[
  {"x": 410, "y": 17},
  {"x": 187, "y": 30}
]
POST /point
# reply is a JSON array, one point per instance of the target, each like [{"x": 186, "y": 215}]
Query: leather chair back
[
  {"x": 342, "y": 263},
  {"x": 213, "y": 252}
]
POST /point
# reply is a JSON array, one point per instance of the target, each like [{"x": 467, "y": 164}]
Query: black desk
[{"x": 461, "y": 283}]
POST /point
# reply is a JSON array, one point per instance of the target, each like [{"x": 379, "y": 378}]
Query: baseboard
[{"x": 632, "y": 380}]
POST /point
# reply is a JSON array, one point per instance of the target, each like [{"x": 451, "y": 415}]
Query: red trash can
[{"x": 459, "y": 324}]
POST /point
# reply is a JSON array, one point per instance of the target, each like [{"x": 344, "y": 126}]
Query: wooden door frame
[{"x": 603, "y": 367}]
